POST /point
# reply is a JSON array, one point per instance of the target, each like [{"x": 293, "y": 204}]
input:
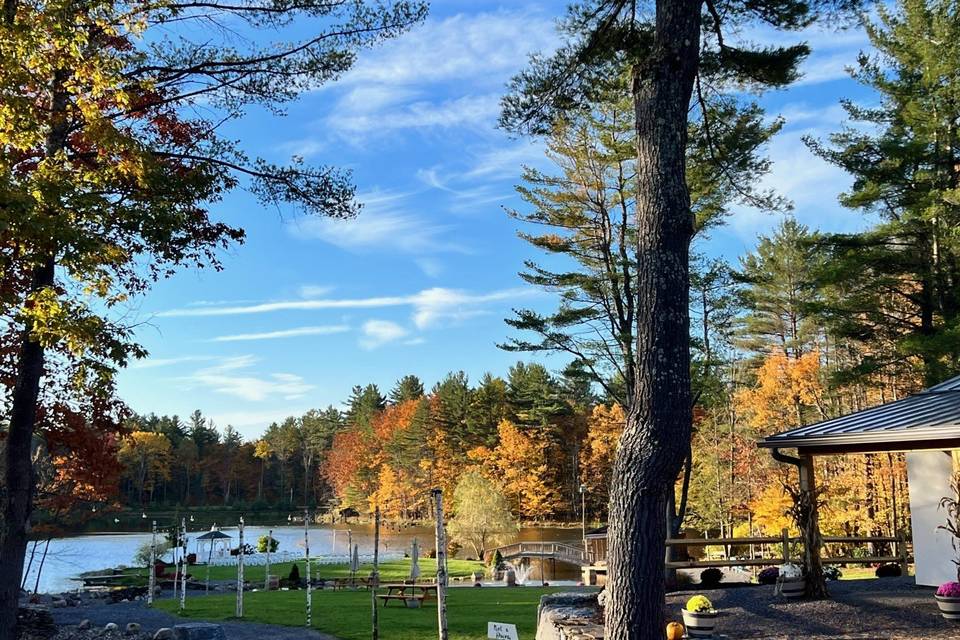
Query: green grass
[
  {"x": 346, "y": 614},
  {"x": 390, "y": 571}
]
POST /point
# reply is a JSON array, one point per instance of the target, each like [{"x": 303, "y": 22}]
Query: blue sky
[{"x": 421, "y": 281}]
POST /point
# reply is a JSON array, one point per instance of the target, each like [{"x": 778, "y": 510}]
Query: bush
[
  {"x": 142, "y": 556},
  {"x": 294, "y": 576},
  {"x": 711, "y": 577},
  {"x": 699, "y": 604},
  {"x": 262, "y": 542},
  {"x": 768, "y": 575},
  {"x": 496, "y": 561},
  {"x": 889, "y": 570}
]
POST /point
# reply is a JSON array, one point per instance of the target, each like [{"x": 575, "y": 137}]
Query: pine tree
[
  {"x": 407, "y": 388},
  {"x": 363, "y": 405},
  {"x": 898, "y": 284}
]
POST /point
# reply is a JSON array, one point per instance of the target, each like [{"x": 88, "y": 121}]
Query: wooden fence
[{"x": 901, "y": 554}]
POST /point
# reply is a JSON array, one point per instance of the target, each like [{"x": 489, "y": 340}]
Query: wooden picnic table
[{"x": 419, "y": 593}]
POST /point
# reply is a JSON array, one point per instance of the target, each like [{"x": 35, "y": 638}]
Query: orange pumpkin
[{"x": 675, "y": 631}]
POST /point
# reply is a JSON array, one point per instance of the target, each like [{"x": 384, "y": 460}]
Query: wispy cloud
[
  {"x": 383, "y": 224},
  {"x": 150, "y": 363},
  {"x": 284, "y": 333},
  {"x": 430, "y": 307},
  {"x": 467, "y": 111},
  {"x": 314, "y": 290},
  {"x": 231, "y": 376},
  {"x": 377, "y": 333}
]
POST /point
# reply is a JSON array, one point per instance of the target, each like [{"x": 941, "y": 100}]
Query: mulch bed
[{"x": 885, "y": 608}]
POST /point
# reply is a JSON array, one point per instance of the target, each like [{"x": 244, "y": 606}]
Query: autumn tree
[
  {"x": 481, "y": 514},
  {"x": 604, "y": 427},
  {"x": 147, "y": 457}
]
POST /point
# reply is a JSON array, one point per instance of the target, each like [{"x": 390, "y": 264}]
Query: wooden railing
[
  {"x": 783, "y": 542},
  {"x": 558, "y": 550}
]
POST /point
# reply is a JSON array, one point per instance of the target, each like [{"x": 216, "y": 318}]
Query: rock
[
  {"x": 84, "y": 624},
  {"x": 165, "y": 633},
  {"x": 58, "y": 603},
  {"x": 602, "y": 598},
  {"x": 560, "y": 613},
  {"x": 132, "y": 628},
  {"x": 199, "y": 631},
  {"x": 111, "y": 626},
  {"x": 35, "y": 620}
]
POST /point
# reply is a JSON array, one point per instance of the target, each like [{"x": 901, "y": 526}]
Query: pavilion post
[{"x": 809, "y": 520}]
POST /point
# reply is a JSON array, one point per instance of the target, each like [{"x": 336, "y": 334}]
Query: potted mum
[
  {"x": 790, "y": 582},
  {"x": 948, "y": 594},
  {"x": 700, "y": 617}
]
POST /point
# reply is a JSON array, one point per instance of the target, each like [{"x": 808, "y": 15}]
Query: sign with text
[{"x": 501, "y": 631}]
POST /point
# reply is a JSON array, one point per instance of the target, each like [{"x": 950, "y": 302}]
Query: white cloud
[
  {"x": 466, "y": 111},
  {"x": 314, "y": 290},
  {"x": 150, "y": 363},
  {"x": 230, "y": 377},
  {"x": 381, "y": 225},
  {"x": 285, "y": 333},
  {"x": 380, "y": 332},
  {"x": 430, "y": 307},
  {"x": 430, "y": 267}
]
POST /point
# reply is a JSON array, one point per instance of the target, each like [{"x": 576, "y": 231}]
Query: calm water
[{"x": 69, "y": 557}]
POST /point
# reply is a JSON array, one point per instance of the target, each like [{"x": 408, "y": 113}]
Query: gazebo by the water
[
  {"x": 926, "y": 426},
  {"x": 213, "y": 544}
]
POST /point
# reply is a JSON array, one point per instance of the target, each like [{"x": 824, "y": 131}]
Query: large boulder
[
  {"x": 564, "y": 615},
  {"x": 199, "y": 631}
]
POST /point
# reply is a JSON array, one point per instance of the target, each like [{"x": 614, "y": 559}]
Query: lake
[{"x": 70, "y": 556}]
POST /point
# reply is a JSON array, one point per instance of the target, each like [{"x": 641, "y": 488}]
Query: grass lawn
[
  {"x": 346, "y": 614},
  {"x": 390, "y": 570}
]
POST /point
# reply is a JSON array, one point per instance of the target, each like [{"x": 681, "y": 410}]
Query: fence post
[
  {"x": 902, "y": 550},
  {"x": 786, "y": 545}
]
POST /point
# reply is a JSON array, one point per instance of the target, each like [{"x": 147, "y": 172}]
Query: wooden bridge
[{"x": 557, "y": 551}]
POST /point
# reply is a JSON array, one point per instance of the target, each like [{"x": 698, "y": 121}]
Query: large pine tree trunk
[
  {"x": 17, "y": 494},
  {"x": 657, "y": 432}
]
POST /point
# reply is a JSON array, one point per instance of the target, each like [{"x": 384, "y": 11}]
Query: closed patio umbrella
[{"x": 415, "y": 561}]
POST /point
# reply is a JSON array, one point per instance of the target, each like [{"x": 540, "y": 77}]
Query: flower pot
[
  {"x": 699, "y": 624},
  {"x": 949, "y": 607},
  {"x": 793, "y": 588}
]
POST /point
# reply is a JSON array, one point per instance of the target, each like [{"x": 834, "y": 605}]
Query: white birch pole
[
  {"x": 375, "y": 576},
  {"x": 183, "y": 566},
  {"x": 306, "y": 553},
  {"x": 441, "y": 566},
  {"x": 176, "y": 560},
  {"x": 152, "y": 579},
  {"x": 266, "y": 571},
  {"x": 240, "y": 571}
]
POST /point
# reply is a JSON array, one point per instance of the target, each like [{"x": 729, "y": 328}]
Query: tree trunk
[
  {"x": 657, "y": 433},
  {"x": 17, "y": 497}
]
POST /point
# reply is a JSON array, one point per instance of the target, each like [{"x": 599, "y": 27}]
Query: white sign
[{"x": 501, "y": 631}]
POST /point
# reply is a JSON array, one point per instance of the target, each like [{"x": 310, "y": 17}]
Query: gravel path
[
  {"x": 152, "y": 619},
  {"x": 863, "y": 609}
]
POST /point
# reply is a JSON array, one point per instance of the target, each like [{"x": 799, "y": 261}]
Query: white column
[{"x": 928, "y": 476}]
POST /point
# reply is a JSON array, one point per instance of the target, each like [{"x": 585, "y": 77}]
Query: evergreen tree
[
  {"x": 363, "y": 405},
  {"x": 488, "y": 406},
  {"x": 897, "y": 285},
  {"x": 202, "y": 432},
  {"x": 407, "y": 388},
  {"x": 451, "y": 397}
]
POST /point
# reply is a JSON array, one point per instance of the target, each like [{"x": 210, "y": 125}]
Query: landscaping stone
[
  {"x": 111, "y": 626},
  {"x": 199, "y": 631},
  {"x": 562, "y": 616},
  {"x": 132, "y": 628},
  {"x": 165, "y": 633},
  {"x": 84, "y": 624}
]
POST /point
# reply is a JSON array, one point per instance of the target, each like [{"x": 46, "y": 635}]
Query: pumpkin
[{"x": 675, "y": 631}]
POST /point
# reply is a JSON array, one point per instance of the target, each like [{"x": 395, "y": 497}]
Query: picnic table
[{"x": 409, "y": 593}]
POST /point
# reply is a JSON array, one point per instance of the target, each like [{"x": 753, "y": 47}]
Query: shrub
[
  {"x": 889, "y": 570},
  {"x": 699, "y": 604},
  {"x": 496, "y": 561},
  {"x": 711, "y": 577},
  {"x": 790, "y": 571},
  {"x": 949, "y": 590},
  {"x": 262, "y": 542},
  {"x": 832, "y": 573},
  {"x": 294, "y": 576},
  {"x": 142, "y": 557},
  {"x": 768, "y": 575}
]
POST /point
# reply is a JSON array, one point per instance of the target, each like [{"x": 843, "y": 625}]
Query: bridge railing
[{"x": 559, "y": 550}]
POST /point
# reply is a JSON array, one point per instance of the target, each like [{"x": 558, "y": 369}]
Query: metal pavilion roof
[{"x": 926, "y": 420}]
